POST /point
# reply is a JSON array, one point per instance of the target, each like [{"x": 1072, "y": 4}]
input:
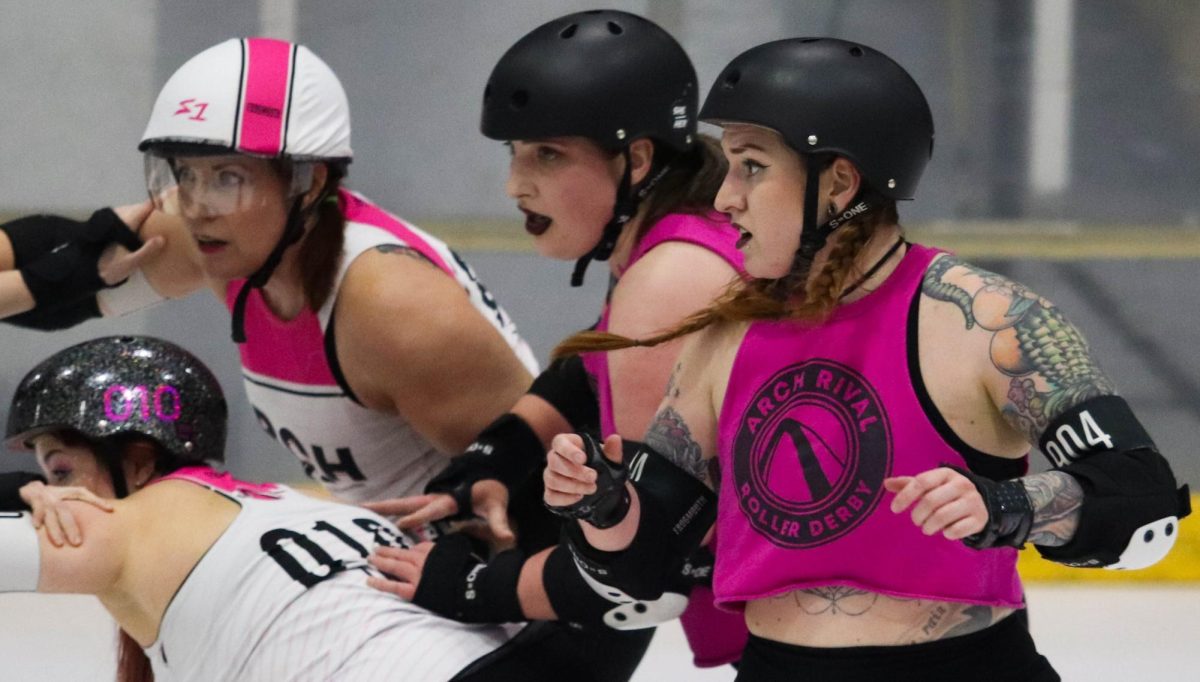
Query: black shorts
[
  {"x": 1003, "y": 652},
  {"x": 554, "y": 651},
  {"x": 547, "y": 651}
]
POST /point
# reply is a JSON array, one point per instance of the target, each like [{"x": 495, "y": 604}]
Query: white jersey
[
  {"x": 282, "y": 596},
  {"x": 297, "y": 390}
]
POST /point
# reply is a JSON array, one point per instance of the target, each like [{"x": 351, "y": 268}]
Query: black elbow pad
[
  {"x": 1132, "y": 504},
  {"x": 565, "y": 385}
]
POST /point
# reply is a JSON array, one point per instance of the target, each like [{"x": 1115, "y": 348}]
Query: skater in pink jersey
[
  {"x": 598, "y": 110},
  {"x": 870, "y": 404}
]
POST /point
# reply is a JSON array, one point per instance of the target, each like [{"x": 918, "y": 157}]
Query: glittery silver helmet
[{"x": 124, "y": 384}]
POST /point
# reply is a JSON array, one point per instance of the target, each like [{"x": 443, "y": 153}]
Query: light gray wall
[{"x": 77, "y": 80}]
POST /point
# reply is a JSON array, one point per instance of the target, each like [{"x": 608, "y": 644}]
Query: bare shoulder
[
  {"x": 676, "y": 260},
  {"x": 1038, "y": 364},
  {"x": 391, "y": 274},
  {"x": 671, "y": 281},
  {"x": 411, "y": 342},
  {"x": 391, "y": 303}
]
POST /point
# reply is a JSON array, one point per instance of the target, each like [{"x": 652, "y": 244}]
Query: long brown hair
[
  {"x": 132, "y": 663},
  {"x": 689, "y": 186},
  {"x": 322, "y": 246},
  {"x": 790, "y": 297}
]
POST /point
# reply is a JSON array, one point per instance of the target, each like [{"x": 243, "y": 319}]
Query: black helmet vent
[
  {"x": 831, "y": 96},
  {"x": 591, "y": 74}
]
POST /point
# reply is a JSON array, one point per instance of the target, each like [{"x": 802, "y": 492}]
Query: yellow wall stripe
[{"x": 1181, "y": 565}]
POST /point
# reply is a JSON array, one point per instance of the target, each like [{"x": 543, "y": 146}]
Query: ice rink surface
[{"x": 1099, "y": 634}]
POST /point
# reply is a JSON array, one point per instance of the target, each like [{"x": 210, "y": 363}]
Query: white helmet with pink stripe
[{"x": 255, "y": 96}]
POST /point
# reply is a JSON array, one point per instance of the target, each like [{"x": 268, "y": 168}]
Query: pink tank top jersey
[
  {"x": 295, "y": 387},
  {"x": 814, "y": 419},
  {"x": 294, "y": 350},
  {"x": 221, "y": 482},
  {"x": 716, "y": 637},
  {"x": 712, "y": 232}
]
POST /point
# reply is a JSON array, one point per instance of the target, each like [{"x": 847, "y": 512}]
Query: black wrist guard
[
  {"x": 58, "y": 317},
  {"x": 579, "y": 600},
  {"x": 10, "y": 489},
  {"x": 507, "y": 451},
  {"x": 63, "y": 270},
  {"x": 607, "y": 506},
  {"x": 566, "y": 386},
  {"x": 1010, "y": 513},
  {"x": 676, "y": 512},
  {"x": 459, "y": 585}
]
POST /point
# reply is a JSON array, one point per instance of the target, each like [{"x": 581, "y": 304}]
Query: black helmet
[
  {"x": 830, "y": 95},
  {"x": 825, "y": 95},
  {"x": 602, "y": 74},
  {"x": 124, "y": 384},
  {"x": 609, "y": 76}
]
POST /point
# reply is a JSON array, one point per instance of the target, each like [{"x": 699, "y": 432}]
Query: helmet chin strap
[
  {"x": 623, "y": 211},
  {"x": 814, "y": 237},
  {"x": 112, "y": 457},
  {"x": 292, "y": 232}
]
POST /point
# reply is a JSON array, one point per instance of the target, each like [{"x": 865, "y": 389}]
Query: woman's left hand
[
  {"x": 942, "y": 500},
  {"x": 402, "y": 565}
]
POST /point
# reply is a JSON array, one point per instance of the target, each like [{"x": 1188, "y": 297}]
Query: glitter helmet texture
[{"x": 124, "y": 384}]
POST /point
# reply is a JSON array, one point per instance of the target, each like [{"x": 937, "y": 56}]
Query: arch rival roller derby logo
[{"x": 811, "y": 453}]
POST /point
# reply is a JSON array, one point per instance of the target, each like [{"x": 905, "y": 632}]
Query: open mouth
[
  {"x": 536, "y": 224},
  {"x": 744, "y": 236},
  {"x": 210, "y": 245}
]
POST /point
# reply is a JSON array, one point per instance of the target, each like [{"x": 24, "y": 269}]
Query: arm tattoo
[
  {"x": 1057, "y": 499},
  {"x": 1046, "y": 357},
  {"x": 669, "y": 436},
  {"x": 403, "y": 250},
  {"x": 673, "y": 381}
]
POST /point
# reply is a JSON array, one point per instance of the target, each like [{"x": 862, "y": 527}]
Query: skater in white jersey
[
  {"x": 369, "y": 349},
  {"x": 211, "y": 577}
]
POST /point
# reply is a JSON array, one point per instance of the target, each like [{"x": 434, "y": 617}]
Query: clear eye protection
[{"x": 212, "y": 186}]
